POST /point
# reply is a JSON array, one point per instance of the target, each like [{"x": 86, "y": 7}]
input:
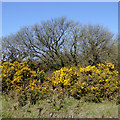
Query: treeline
[{"x": 60, "y": 42}]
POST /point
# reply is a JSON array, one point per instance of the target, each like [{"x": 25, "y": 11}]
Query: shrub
[
  {"x": 92, "y": 83},
  {"x": 8, "y": 72},
  {"x": 64, "y": 78},
  {"x": 30, "y": 85},
  {"x": 100, "y": 81}
]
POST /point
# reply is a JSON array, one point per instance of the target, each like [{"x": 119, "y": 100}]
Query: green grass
[{"x": 68, "y": 108}]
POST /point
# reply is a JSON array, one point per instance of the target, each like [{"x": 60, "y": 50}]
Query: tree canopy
[{"x": 60, "y": 42}]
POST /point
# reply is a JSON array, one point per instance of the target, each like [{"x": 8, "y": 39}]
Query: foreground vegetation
[
  {"x": 71, "y": 108},
  {"x": 59, "y": 95}
]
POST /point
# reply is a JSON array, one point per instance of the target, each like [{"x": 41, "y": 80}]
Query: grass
[{"x": 67, "y": 108}]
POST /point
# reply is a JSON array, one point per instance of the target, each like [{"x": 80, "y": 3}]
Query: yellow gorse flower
[{"x": 98, "y": 81}]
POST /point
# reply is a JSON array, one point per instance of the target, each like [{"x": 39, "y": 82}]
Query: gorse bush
[
  {"x": 8, "y": 71},
  {"x": 97, "y": 83},
  {"x": 64, "y": 77},
  {"x": 91, "y": 83},
  {"x": 20, "y": 78}
]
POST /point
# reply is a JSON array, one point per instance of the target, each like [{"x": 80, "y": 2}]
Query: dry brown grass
[{"x": 67, "y": 108}]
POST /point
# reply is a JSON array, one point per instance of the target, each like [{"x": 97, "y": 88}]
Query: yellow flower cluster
[
  {"x": 20, "y": 78},
  {"x": 101, "y": 82},
  {"x": 64, "y": 77},
  {"x": 93, "y": 83}
]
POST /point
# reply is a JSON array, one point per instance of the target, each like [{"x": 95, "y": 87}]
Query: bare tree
[
  {"x": 96, "y": 44},
  {"x": 60, "y": 42}
]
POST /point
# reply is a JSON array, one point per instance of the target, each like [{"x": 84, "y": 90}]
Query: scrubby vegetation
[
  {"x": 57, "y": 108},
  {"x": 93, "y": 83},
  {"x": 59, "y": 61}
]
